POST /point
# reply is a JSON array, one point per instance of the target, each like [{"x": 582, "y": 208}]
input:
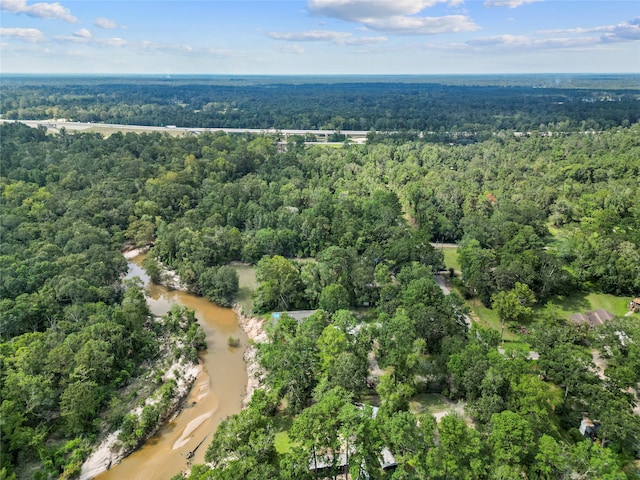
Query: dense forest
[
  {"x": 346, "y": 230},
  {"x": 474, "y": 105}
]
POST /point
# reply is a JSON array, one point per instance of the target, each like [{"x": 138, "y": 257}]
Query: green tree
[
  {"x": 334, "y": 297},
  {"x": 511, "y": 439},
  {"x": 476, "y": 264},
  {"x": 79, "y": 404},
  {"x": 514, "y": 305},
  {"x": 460, "y": 453},
  {"x": 316, "y": 430},
  {"x": 220, "y": 284},
  {"x": 279, "y": 284},
  {"x": 243, "y": 446}
]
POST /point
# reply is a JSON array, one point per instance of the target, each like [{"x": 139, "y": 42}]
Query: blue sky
[{"x": 319, "y": 36}]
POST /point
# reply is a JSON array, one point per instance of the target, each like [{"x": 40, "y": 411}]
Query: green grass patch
[
  {"x": 579, "y": 302},
  {"x": 487, "y": 318},
  {"x": 365, "y": 314},
  {"x": 428, "y": 403},
  {"x": 436, "y": 405},
  {"x": 282, "y": 442},
  {"x": 425, "y": 402},
  {"x": 451, "y": 257},
  {"x": 516, "y": 345}
]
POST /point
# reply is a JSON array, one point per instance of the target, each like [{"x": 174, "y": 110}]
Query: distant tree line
[
  {"x": 383, "y": 106},
  {"x": 362, "y": 217}
]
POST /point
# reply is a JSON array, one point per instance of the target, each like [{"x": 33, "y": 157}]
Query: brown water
[{"x": 217, "y": 392}]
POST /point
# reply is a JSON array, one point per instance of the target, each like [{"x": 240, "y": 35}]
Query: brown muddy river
[{"x": 217, "y": 392}]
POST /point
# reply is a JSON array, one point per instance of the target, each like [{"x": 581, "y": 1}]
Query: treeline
[
  {"x": 365, "y": 213},
  {"x": 73, "y": 336},
  {"x": 517, "y": 422},
  {"x": 344, "y": 105},
  {"x": 211, "y": 199},
  {"x": 382, "y": 204}
]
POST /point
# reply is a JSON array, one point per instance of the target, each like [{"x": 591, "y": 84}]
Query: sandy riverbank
[
  {"x": 170, "y": 278},
  {"x": 109, "y": 453},
  {"x": 254, "y": 328}
]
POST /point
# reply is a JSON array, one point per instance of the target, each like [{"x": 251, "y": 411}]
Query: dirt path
[{"x": 600, "y": 363}]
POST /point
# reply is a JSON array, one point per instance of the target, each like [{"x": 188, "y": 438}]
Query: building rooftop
[{"x": 593, "y": 318}]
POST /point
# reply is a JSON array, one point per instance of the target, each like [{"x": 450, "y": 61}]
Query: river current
[{"x": 216, "y": 394}]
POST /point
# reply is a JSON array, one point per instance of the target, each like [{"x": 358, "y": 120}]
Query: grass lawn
[
  {"x": 451, "y": 257},
  {"x": 579, "y": 302},
  {"x": 247, "y": 285},
  {"x": 485, "y": 317},
  {"x": 436, "y": 405},
  {"x": 282, "y": 424},
  {"x": 282, "y": 443},
  {"x": 488, "y": 318},
  {"x": 428, "y": 403}
]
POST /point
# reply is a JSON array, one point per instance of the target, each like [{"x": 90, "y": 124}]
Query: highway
[
  {"x": 78, "y": 126},
  {"x": 358, "y": 136}
]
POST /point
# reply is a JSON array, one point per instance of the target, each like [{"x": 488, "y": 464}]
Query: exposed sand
[
  {"x": 102, "y": 458},
  {"x": 454, "y": 408},
  {"x": 129, "y": 254},
  {"x": 108, "y": 453},
  {"x": 254, "y": 328},
  {"x": 192, "y": 425},
  {"x": 600, "y": 364}
]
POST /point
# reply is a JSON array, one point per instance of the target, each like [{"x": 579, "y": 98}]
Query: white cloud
[
  {"x": 84, "y": 36},
  {"x": 39, "y": 10},
  {"x": 156, "y": 48},
  {"x": 104, "y": 23},
  {"x": 82, "y": 33},
  {"x": 622, "y": 32},
  {"x": 294, "y": 48},
  {"x": 311, "y": 36},
  {"x": 112, "y": 42},
  {"x": 223, "y": 52},
  {"x": 571, "y": 38},
  {"x": 508, "y": 3},
  {"x": 339, "y": 38},
  {"x": 366, "y": 41},
  {"x": 357, "y": 10},
  {"x": 25, "y": 34},
  {"x": 528, "y": 42},
  {"x": 394, "y": 17},
  {"x": 423, "y": 25}
]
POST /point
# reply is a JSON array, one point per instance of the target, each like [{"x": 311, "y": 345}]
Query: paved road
[
  {"x": 444, "y": 245},
  {"x": 57, "y": 124}
]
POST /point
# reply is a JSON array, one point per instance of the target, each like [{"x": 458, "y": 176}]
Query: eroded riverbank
[{"x": 218, "y": 390}]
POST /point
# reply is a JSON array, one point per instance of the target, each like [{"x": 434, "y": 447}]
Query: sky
[{"x": 268, "y": 37}]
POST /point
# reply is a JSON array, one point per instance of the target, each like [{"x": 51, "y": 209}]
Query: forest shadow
[{"x": 574, "y": 303}]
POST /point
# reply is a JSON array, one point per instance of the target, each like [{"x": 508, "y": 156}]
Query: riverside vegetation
[{"x": 74, "y": 337}]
